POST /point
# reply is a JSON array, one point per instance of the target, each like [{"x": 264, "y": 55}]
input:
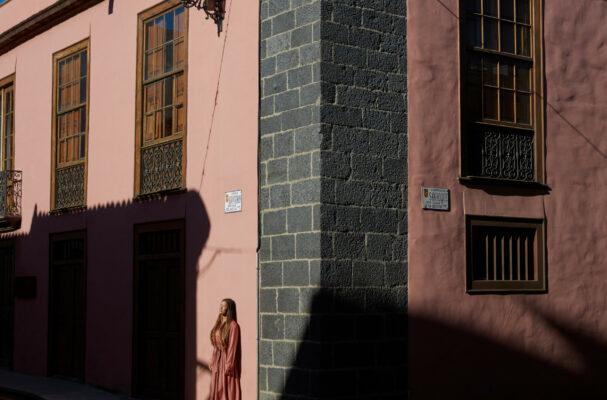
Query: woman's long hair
[{"x": 225, "y": 329}]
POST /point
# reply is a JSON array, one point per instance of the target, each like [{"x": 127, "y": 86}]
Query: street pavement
[{"x": 43, "y": 388}]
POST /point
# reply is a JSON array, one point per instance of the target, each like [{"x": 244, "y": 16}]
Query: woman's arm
[
  {"x": 213, "y": 363},
  {"x": 232, "y": 349}
]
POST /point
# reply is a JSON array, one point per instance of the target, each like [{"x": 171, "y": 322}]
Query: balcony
[
  {"x": 69, "y": 187},
  {"x": 502, "y": 154},
  {"x": 10, "y": 200},
  {"x": 162, "y": 167}
]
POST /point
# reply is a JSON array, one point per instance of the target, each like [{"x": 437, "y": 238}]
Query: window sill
[
  {"x": 159, "y": 194},
  {"x": 482, "y": 181},
  {"x": 10, "y": 224},
  {"x": 505, "y": 291},
  {"x": 68, "y": 210}
]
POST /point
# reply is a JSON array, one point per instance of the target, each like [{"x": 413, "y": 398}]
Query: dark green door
[
  {"x": 67, "y": 306},
  {"x": 7, "y": 279},
  {"x": 159, "y": 311}
]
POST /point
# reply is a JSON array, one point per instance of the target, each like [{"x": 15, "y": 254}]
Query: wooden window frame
[
  {"x": 83, "y": 44},
  {"x": 142, "y": 18},
  {"x": 539, "y": 285},
  {"x": 55, "y": 237},
  {"x": 537, "y": 102},
  {"x": 5, "y": 82},
  {"x": 152, "y": 227}
]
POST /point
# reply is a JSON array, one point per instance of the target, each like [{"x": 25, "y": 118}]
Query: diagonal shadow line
[
  {"x": 448, "y": 9},
  {"x": 223, "y": 50},
  {"x": 576, "y": 130},
  {"x": 580, "y": 133},
  {"x": 216, "y": 253}
]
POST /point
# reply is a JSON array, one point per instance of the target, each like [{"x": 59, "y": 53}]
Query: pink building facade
[
  {"x": 474, "y": 339},
  {"x": 119, "y": 282}
]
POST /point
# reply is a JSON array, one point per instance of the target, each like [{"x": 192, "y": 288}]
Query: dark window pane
[
  {"x": 489, "y": 72},
  {"x": 490, "y": 34},
  {"x": 83, "y": 119},
  {"x": 61, "y": 71},
  {"x": 507, "y": 106},
  {"x": 82, "y": 145},
  {"x": 523, "y": 44},
  {"x": 523, "y": 12},
  {"x": 168, "y": 122},
  {"x": 168, "y": 57},
  {"x": 83, "y": 63},
  {"x": 489, "y": 103},
  {"x": 474, "y": 101},
  {"x": 474, "y": 69},
  {"x": 8, "y": 148},
  {"x": 523, "y": 81},
  {"x": 9, "y": 124},
  {"x": 473, "y": 6},
  {"x": 473, "y": 32},
  {"x": 490, "y": 7},
  {"x": 82, "y": 90},
  {"x": 168, "y": 91},
  {"x": 523, "y": 109},
  {"x": 506, "y": 75},
  {"x": 507, "y": 9},
  {"x": 168, "y": 22},
  {"x": 507, "y": 37}
]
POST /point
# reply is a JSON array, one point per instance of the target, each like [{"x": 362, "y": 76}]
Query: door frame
[
  {"x": 137, "y": 230},
  {"x": 53, "y": 237}
]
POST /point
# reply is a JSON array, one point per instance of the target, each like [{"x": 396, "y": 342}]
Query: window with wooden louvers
[
  {"x": 161, "y": 104},
  {"x": 505, "y": 254},
  {"x": 70, "y": 126}
]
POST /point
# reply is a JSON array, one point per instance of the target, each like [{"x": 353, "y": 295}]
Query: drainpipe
[{"x": 258, "y": 270}]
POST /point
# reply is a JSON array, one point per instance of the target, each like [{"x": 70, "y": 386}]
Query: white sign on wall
[
  {"x": 435, "y": 198},
  {"x": 233, "y": 201}
]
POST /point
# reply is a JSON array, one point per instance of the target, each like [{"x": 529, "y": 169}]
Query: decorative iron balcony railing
[
  {"x": 10, "y": 200},
  {"x": 502, "y": 153},
  {"x": 161, "y": 167},
  {"x": 69, "y": 187}
]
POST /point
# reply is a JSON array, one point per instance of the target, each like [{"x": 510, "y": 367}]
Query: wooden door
[
  {"x": 7, "y": 279},
  {"x": 67, "y": 305},
  {"x": 159, "y": 311}
]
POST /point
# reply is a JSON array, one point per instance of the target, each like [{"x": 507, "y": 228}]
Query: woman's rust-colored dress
[{"x": 225, "y": 366}]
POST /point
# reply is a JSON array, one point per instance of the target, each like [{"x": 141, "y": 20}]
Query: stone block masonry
[{"x": 333, "y": 296}]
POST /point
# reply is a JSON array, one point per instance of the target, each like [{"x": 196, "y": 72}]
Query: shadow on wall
[
  {"x": 358, "y": 350},
  {"x": 354, "y": 347},
  {"x": 452, "y": 362},
  {"x": 110, "y": 286}
]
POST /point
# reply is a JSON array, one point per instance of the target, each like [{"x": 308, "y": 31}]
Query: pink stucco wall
[
  {"x": 549, "y": 345},
  {"x": 15, "y": 11},
  {"x": 221, "y": 156}
]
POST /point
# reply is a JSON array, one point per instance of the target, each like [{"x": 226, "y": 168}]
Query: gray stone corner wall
[{"x": 333, "y": 128}]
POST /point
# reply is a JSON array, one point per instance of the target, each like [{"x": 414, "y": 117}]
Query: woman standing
[{"x": 225, "y": 364}]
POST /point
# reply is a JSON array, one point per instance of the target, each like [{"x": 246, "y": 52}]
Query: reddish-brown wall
[{"x": 550, "y": 345}]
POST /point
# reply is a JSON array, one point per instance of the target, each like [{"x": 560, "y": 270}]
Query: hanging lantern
[{"x": 214, "y": 9}]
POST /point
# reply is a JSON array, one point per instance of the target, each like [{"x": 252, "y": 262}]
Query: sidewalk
[{"x": 53, "y": 389}]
